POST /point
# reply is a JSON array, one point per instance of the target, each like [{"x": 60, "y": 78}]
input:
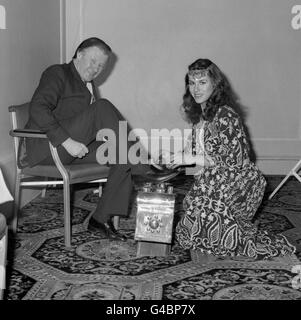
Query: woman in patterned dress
[{"x": 228, "y": 188}]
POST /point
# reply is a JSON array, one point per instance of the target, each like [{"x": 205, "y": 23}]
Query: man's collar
[{"x": 75, "y": 72}]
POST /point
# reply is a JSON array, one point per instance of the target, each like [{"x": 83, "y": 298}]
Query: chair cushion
[
  {"x": 2, "y": 225},
  {"x": 77, "y": 172},
  {"x": 90, "y": 171}
]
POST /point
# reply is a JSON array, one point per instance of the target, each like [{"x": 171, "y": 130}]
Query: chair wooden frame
[
  {"x": 63, "y": 174},
  {"x": 293, "y": 172}
]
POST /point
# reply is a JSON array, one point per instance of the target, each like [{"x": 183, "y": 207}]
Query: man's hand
[{"x": 75, "y": 148}]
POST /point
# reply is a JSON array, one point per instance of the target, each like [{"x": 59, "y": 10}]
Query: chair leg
[
  {"x": 43, "y": 194},
  {"x": 100, "y": 190},
  {"x": 14, "y": 222},
  {"x": 116, "y": 222},
  {"x": 279, "y": 186},
  {"x": 293, "y": 172},
  {"x": 67, "y": 215}
]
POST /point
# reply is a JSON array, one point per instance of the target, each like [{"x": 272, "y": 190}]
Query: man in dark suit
[{"x": 64, "y": 106}]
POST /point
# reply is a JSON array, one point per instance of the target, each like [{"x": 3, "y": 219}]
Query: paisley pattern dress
[{"x": 225, "y": 197}]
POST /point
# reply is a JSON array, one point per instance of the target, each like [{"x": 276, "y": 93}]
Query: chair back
[{"x": 19, "y": 115}]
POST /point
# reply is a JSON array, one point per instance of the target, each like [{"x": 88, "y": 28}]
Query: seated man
[{"x": 64, "y": 106}]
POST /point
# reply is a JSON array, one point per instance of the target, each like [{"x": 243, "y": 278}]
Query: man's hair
[{"x": 93, "y": 42}]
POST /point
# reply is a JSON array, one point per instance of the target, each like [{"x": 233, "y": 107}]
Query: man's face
[{"x": 90, "y": 62}]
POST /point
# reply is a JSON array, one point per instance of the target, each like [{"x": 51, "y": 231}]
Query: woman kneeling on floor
[{"x": 228, "y": 188}]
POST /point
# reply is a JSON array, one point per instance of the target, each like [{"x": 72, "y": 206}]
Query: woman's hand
[
  {"x": 186, "y": 159},
  {"x": 180, "y": 159},
  {"x": 204, "y": 160},
  {"x": 161, "y": 160}
]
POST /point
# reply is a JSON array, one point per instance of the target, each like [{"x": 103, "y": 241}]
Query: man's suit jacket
[{"x": 60, "y": 95}]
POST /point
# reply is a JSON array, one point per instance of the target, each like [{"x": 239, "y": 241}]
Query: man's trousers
[{"x": 83, "y": 128}]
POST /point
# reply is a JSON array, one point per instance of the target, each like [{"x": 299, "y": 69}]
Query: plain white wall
[
  {"x": 30, "y": 42},
  {"x": 252, "y": 42}
]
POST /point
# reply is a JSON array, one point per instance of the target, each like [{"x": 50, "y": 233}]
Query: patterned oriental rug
[{"x": 41, "y": 268}]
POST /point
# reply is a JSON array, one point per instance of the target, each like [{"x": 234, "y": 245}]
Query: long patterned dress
[{"x": 225, "y": 197}]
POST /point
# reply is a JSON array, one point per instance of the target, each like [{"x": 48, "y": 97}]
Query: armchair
[{"x": 66, "y": 175}]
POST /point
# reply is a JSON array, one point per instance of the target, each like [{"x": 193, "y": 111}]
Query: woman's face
[{"x": 200, "y": 86}]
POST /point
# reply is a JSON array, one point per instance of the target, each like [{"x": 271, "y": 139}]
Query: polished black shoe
[
  {"x": 107, "y": 229},
  {"x": 158, "y": 176},
  {"x": 117, "y": 234},
  {"x": 157, "y": 167}
]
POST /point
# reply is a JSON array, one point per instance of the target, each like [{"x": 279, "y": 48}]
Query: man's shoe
[
  {"x": 107, "y": 229},
  {"x": 118, "y": 235},
  {"x": 159, "y": 176},
  {"x": 157, "y": 167}
]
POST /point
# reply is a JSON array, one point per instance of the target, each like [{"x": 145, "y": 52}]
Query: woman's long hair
[{"x": 220, "y": 96}]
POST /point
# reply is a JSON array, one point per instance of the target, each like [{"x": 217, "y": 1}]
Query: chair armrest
[{"x": 28, "y": 133}]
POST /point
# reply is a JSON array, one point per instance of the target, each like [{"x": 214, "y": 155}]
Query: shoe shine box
[{"x": 155, "y": 213}]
